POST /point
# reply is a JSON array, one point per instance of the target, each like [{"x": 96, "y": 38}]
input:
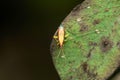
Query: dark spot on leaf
[
  {"x": 118, "y": 45},
  {"x": 116, "y": 22},
  {"x": 106, "y": 10},
  {"x": 91, "y": 73},
  {"x": 92, "y": 43},
  {"x": 113, "y": 30},
  {"x": 105, "y": 44},
  {"x": 83, "y": 27},
  {"x": 97, "y": 21},
  {"x": 90, "y": 51},
  {"x": 85, "y": 66}
]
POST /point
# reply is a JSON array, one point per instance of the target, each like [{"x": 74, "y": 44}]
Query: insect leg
[{"x": 63, "y": 54}]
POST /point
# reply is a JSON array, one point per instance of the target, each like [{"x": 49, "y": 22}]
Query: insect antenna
[{"x": 59, "y": 53}]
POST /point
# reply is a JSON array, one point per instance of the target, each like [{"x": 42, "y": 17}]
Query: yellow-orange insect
[
  {"x": 61, "y": 34},
  {"x": 59, "y": 37}
]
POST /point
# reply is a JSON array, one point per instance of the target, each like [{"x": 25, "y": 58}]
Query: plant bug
[{"x": 59, "y": 36}]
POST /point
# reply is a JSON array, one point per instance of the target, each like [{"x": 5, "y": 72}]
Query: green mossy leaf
[{"x": 92, "y": 49}]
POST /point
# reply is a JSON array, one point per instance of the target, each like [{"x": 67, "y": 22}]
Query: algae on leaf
[{"x": 92, "y": 49}]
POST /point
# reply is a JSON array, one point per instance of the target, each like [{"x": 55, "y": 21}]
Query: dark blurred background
[{"x": 26, "y": 30}]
